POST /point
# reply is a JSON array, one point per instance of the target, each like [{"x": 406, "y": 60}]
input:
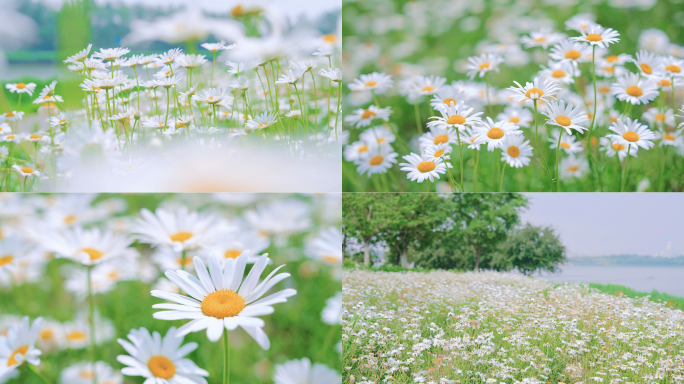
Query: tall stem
[
  {"x": 226, "y": 358},
  {"x": 673, "y": 96},
  {"x": 624, "y": 171},
  {"x": 489, "y": 103},
  {"x": 502, "y": 177},
  {"x": 477, "y": 162},
  {"x": 213, "y": 64},
  {"x": 420, "y": 129},
  {"x": 315, "y": 96},
  {"x": 593, "y": 71},
  {"x": 460, "y": 151},
  {"x": 91, "y": 306},
  {"x": 560, "y": 134}
]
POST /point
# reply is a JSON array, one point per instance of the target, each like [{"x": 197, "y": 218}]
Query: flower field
[
  {"x": 444, "y": 327},
  {"x": 170, "y": 289},
  {"x": 502, "y": 96}
]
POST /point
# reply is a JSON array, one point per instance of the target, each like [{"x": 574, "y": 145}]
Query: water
[{"x": 641, "y": 278}]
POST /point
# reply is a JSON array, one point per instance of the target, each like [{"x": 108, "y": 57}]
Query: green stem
[
  {"x": 460, "y": 151},
  {"x": 213, "y": 64},
  {"x": 420, "y": 129},
  {"x": 477, "y": 162},
  {"x": 35, "y": 370},
  {"x": 337, "y": 112},
  {"x": 502, "y": 177},
  {"x": 315, "y": 96},
  {"x": 226, "y": 357},
  {"x": 673, "y": 96},
  {"x": 489, "y": 103},
  {"x": 593, "y": 71},
  {"x": 624, "y": 171},
  {"x": 91, "y": 305},
  {"x": 560, "y": 134}
]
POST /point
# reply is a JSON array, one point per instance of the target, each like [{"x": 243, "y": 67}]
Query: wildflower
[
  {"x": 262, "y": 121},
  {"x": 420, "y": 169},
  {"x": 363, "y": 117},
  {"x": 631, "y": 132},
  {"x": 634, "y": 90},
  {"x": 567, "y": 116},
  {"x": 379, "y": 83},
  {"x": 516, "y": 151},
  {"x": 21, "y": 88},
  {"x": 480, "y": 65},
  {"x": 455, "y": 116},
  {"x": 599, "y": 36},
  {"x": 493, "y": 133},
  {"x": 376, "y": 160},
  {"x": 539, "y": 89}
]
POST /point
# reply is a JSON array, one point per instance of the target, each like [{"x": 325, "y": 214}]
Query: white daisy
[
  {"x": 560, "y": 72},
  {"x": 572, "y": 166},
  {"x": 447, "y": 95},
  {"x": 326, "y": 246},
  {"x": 539, "y": 89},
  {"x": 83, "y": 373},
  {"x": 379, "y": 83},
  {"x": 455, "y": 116},
  {"x": 160, "y": 360},
  {"x": 567, "y": 116},
  {"x": 516, "y": 151},
  {"x": 420, "y": 169},
  {"x": 657, "y": 117},
  {"x": 439, "y": 151},
  {"x": 673, "y": 66},
  {"x": 493, "y": 133},
  {"x": 634, "y": 90},
  {"x": 517, "y": 115},
  {"x": 599, "y": 36},
  {"x": 377, "y": 136},
  {"x": 567, "y": 142},
  {"x": 89, "y": 246},
  {"x": 612, "y": 148},
  {"x": 221, "y": 299},
  {"x": 480, "y": 65},
  {"x": 19, "y": 344},
  {"x": 21, "y": 88},
  {"x": 363, "y": 117},
  {"x": 570, "y": 51},
  {"x": 262, "y": 121},
  {"x": 630, "y": 132},
  {"x": 377, "y": 159},
  {"x": 542, "y": 38}
]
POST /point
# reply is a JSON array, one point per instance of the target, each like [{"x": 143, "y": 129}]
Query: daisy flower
[
  {"x": 620, "y": 59},
  {"x": 21, "y": 88},
  {"x": 376, "y": 160},
  {"x": 439, "y": 151},
  {"x": 38, "y": 137},
  {"x": 83, "y": 373},
  {"x": 160, "y": 360},
  {"x": 221, "y": 299},
  {"x": 420, "y": 169},
  {"x": 634, "y": 90},
  {"x": 302, "y": 372},
  {"x": 656, "y": 117},
  {"x": 332, "y": 313},
  {"x": 567, "y": 116},
  {"x": 673, "y": 66},
  {"x": 560, "y": 71},
  {"x": 11, "y": 116},
  {"x": 295, "y": 113},
  {"x": 493, "y": 133},
  {"x": 326, "y": 246},
  {"x": 334, "y": 74},
  {"x": 214, "y": 47},
  {"x": 437, "y": 135},
  {"x": 89, "y": 246},
  {"x": 516, "y": 151},
  {"x": 19, "y": 344},
  {"x": 262, "y": 121},
  {"x": 517, "y": 115},
  {"x": 363, "y": 117},
  {"x": 570, "y": 51},
  {"x": 448, "y": 95},
  {"x": 670, "y": 139},
  {"x": 612, "y": 148},
  {"x": 59, "y": 120},
  {"x": 110, "y": 54},
  {"x": 630, "y": 132},
  {"x": 28, "y": 170},
  {"x": 356, "y": 150},
  {"x": 377, "y": 135},
  {"x": 210, "y": 95},
  {"x": 539, "y": 89},
  {"x": 567, "y": 142},
  {"x": 480, "y": 65},
  {"x": 5, "y": 129},
  {"x": 455, "y": 116},
  {"x": 470, "y": 138},
  {"x": 580, "y": 23},
  {"x": 572, "y": 166},
  {"x": 542, "y": 38},
  {"x": 157, "y": 121},
  {"x": 79, "y": 56},
  {"x": 597, "y": 35},
  {"x": 377, "y": 82},
  {"x": 291, "y": 76},
  {"x": 180, "y": 230},
  {"x": 428, "y": 85},
  {"x": 235, "y": 244},
  {"x": 170, "y": 56}
]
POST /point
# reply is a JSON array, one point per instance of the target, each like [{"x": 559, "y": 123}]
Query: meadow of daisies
[
  {"x": 229, "y": 113},
  {"x": 502, "y": 96},
  {"x": 170, "y": 289},
  {"x": 489, "y": 327}
]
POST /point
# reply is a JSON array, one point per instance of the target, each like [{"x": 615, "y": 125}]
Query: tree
[
  {"x": 359, "y": 220},
  {"x": 484, "y": 219},
  {"x": 531, "y": 248}
]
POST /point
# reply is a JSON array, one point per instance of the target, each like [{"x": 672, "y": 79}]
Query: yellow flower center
[
  {"x": 13, "y": 357},
  {"x": 660, "y": 116},
  {"x": 611, "y": 58},
  {"x": 377, "y": 160},
  {"x": 673, "y": 68},
  {"x": 46, "y": 334},
  {"x": 232, "y": 253},
  {"x": 665, "y": 83},
  {"x": 484, "y": 65},
  {"x": 4, "y": 260},
  {"x": 573, "y": 168},
  {"x": 330, "y": 38},
  {"x": 449, "y": 100},
  {"x": 540, "y": 39},
  {"x": 368, "y": 114},
  {"x": 21, "y": 86},
  {"x": 594, "y": 37},
  {"x": 438, "y": 153},
  {"x": 87, "y": 374},
  {"x": 93, "y": 253},
  {"x": 618, "y": 147},
  {"x": 9, "y": 114},
  {"x": 426, "y": 166},
  {"x": 222, "y": 303},
  {"x": 558, "y": 73},
  {"x": 565, "y": 145},
  {"x": 62, "y": 121},
  {"x": 646, "y": 68},
  {"x": 237, "y": 11},
  {"x": 563, "y": 120},
  {"x": 572, "y": 54},
  {"x": 668, "y": 136},
  {"x": 514, "y": 120},
  {"x": 538, "y": 91},
  {"x": 364, "y": 148},
  {"x": 441, "y": 139},
  {"x": 631, "y": 136},
  {"x": 604, "y": 89},
  {"x": 10, "y": 137},
  {"x": 456, "y": 119},
  {"x": 371, "y": 84},
  {"x": 161, "y": 367},
  {"x": 495, "y": 133},
  {"x": 27, "y": 170},
  {"x": 609, "y": 69},
  {"x": 35, "y": 136},
  {"x": 76, "y": 336},
  {"x": 634, "y": 91},
  {"x": 513, "y": 151},
  {"x": 181, "y": 236},
  {"x": 428, "y": 88}
]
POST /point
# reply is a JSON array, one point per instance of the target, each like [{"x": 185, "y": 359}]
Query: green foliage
[
  {"x": 74, "y": 30},
  {"x": 614, "y": 289},
  {"x": 532, "y": 248}
]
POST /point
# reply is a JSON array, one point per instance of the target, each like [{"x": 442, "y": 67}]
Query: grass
[{"x": 620, "y": 290}]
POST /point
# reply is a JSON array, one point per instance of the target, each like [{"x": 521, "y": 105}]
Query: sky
[{"x": 611, "y": 223}]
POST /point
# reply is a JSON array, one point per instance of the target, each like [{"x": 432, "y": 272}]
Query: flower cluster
[
  {"x": 584, "y": 105},
  {"x": 490, "y": 327},
  {"x": 203, "y": 256}
]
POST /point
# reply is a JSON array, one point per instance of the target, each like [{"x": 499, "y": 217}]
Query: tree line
[{"x": 466, "y": 231}]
